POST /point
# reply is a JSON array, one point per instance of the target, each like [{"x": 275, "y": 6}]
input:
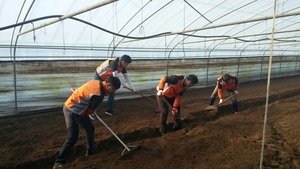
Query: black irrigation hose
[
  {"x": 132, "y": 37},
  {"x": 80, "y": 20}
]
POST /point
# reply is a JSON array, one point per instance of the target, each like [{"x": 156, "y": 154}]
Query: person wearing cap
[
  {"x": 230, "y": 83},
  {"x": 83, "y": 102},
  {"x": 112, "y": 67},
  {"x": 169, "y": 93}
]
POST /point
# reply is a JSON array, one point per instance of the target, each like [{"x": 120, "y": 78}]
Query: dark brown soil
[{"x": 215, "y": 139}]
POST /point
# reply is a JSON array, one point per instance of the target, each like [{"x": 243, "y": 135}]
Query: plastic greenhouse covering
[
  {"x": 48, "y": 46},
  {"x": 147, "y": 28}
]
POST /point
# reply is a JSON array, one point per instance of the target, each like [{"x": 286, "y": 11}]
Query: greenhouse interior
[
  {"x": 50, "y": 47},
  {"x": 41, "y": 46}
]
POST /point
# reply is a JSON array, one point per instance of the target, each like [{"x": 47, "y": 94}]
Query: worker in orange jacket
[
  {"x": 169, "y": 92},
  {"x": 230, "y": 83},
  {"x": 112, "y": 67},
  {"x": 78, "y": 106}
]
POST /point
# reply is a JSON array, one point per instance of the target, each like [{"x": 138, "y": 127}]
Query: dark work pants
[
  {"x": 73, "y": 121},
  {"x": 230, "y": 92},
  {"x": 164, "y": 109}
]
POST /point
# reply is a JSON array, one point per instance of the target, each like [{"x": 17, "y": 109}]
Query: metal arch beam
[
  {"x": 230, "y": 24},
  {"x": 243, "y": 29},
  {"x": 192, "y": 23},
  {"x": 97, "y": 5},
  {"x": 114, "y": 37},
  {"x": 197, "y": 11},
  {"x": 239, "y": 22},
  {"x": 241, "y": 46},
  {"x": 218, "y": 18},
  {"x": 239, "y": 37},
  {"x": 144, "y": 21},
  {"x": 275, "y": 33},
  {"x": 261, "y": 43}
]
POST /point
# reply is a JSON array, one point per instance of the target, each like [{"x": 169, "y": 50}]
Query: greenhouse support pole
[
  {"x": 99, "y": 4},
  {"x": 296, "y": 65},
  {"x": 268, "y": 89}
]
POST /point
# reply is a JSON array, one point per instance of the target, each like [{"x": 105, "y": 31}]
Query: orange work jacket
[
  {"x": 107, "y": 68},
  {"x": 83, "y": 97},
  {"x": 233, "y": 84},
  {"x": 173, "y": 86}
]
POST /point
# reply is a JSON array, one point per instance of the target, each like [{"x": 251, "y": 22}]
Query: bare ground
[{"x": 214, "y": 139}]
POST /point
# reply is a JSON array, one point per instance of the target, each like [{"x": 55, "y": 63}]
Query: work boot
[
  {"x": 235, "y": 107},
  {"x": 58, "y": 165},
  {"x": 162, "y": 132},
  {"x": 88, "y": 154},
  {"x": 211, "y": 101},
  {"x": 177, "y": 128},
  {"x": 110, "y": 112}
]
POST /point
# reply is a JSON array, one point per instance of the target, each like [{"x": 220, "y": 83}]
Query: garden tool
[{"x": 213, "y": 107}]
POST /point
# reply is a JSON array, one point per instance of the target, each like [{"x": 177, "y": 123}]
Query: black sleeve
[
  {"x": 235, "y": 79},
  {"x": 173, "y": 79},
  {"x": 95, "y": 102},
  {"x": 124, "y": 70},
  {"x": 113, "y": 64},
  {"x": 219, "y": 84}
]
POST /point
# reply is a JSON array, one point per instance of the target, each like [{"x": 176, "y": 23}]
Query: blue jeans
[
  {"x": 110, "y": 99},
  {"x": 72, "y": 122}
]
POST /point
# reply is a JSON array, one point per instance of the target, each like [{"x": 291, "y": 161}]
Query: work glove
[
  {"x": 174, "y": 111},
  {"x": 221, "y": 101},
  {"x": 90, "y": 111},
  {"x": 133, "y": 89},
  {"x": 92, "y": 116},
  {"x": 159, "y": 93},
  {"x": 72, "y": 90},
  {"x": 236, "y": 92}
]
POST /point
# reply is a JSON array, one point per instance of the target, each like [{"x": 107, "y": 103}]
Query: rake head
[
  {"x": 125, "y": 152},
  {"x": 211, "y": 108}
]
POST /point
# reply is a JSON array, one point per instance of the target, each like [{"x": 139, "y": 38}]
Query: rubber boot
[
  {"x": 211, "y": 101},
  {"x": 235, "y": 107}
]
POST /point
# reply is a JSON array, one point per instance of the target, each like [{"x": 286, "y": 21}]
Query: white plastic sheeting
[{"x": 206, "y": 28}]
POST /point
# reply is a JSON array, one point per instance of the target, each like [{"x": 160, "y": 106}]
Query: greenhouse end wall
[{"x": 38, "y": 86}]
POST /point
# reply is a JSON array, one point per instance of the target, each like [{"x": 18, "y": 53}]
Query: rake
[
  {"x": 127, "y": 149},
  {"x": 170, "y": 107},
  {"x": 217, "y": 105},
  {"x": 140, "y": 94}
]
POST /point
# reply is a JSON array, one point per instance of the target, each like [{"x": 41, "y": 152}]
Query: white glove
[
  {"x": 221, "y": 101},
  {"x": 236, "y": 92},
  {"x": 174, "y": 111},
  {"x": 159, "y": 93},
  {"x": 123, "y": 85},
  {"x": 92, "y": 116},
  {"x": 133, "y": 89}
]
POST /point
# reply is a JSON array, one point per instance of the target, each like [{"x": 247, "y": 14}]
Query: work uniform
[
  {"x": 111, "y": 67},
  {"x": 173, "y": 88},
  {"x": 107, "y": 68},
  {"x": 78, "y": 106},
  {"x": 231, "y": 86}
]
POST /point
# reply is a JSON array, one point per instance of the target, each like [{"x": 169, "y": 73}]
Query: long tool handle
[
  {"x": 139, "y": 93},
  {"x": 170, "y": 106},
  {"x": 225, "y": 99},
  {"x": 165, "y": 101},
  {"x": 112, "y": 132}
]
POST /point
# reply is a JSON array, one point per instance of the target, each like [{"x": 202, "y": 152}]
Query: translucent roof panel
[{"x": 211, "y": 26}]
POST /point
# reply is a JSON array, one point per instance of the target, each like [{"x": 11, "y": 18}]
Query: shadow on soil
[{"x": 113, "y": 143}]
